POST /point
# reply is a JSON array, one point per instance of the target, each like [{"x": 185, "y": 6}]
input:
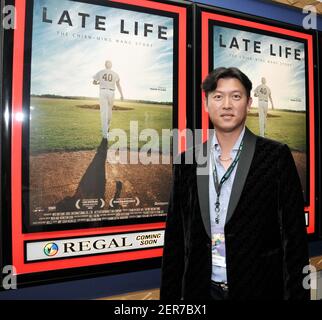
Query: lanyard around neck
[{"x": 218, "y": 185}]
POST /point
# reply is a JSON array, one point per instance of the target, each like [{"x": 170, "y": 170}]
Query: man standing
[
  {"x": 107, "y": 79},
  {"x": 263, "y": 92},
  {"x": 235, "y": 226}
]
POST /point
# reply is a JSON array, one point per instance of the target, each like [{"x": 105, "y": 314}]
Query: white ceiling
[{"x": 302, "y": 3}]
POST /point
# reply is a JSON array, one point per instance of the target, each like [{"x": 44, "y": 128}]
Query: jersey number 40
[{"x": 108, "y": 77}]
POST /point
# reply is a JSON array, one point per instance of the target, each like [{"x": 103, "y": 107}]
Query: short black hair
[{"x": 211, "y": 81}]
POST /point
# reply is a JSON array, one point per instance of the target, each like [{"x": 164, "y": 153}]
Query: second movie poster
[
  {"x": 101, "y": 111},
  {"x": 277, "y": 68}
]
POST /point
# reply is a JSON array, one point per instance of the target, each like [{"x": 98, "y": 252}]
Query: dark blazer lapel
[
  {"x": 202, "y": 172},
  {"x": 244, "y": 163}
]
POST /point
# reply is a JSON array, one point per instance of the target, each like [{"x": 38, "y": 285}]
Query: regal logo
[
  {"x": 93, "y": 245},
  {"x": 51, "y": 249}
]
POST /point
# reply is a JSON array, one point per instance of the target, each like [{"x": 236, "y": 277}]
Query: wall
[{"x": 263, "y": 9}]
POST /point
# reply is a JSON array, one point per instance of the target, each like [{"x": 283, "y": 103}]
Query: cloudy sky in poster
[
  {"x": 285, "y": 76},
  {"x": 64, "y": 62}
]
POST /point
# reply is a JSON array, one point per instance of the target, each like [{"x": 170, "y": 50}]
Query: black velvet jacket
[{"x": 265, "y": 234}]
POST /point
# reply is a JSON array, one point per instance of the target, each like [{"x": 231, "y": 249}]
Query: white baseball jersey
[
  {"x": 263, "y": 92},
  {"x": 107, "y": 79}
]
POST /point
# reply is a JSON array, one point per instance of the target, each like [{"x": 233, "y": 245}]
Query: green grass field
[
  {"x": 286, "y": 127},
  {"x": 60, "y": 125}
]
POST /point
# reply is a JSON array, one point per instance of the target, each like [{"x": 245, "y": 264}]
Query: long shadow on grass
[{"x": 92, "y": 184}]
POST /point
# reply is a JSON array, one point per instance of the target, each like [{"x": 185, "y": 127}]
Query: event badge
[{"x": 218, "y": 250}]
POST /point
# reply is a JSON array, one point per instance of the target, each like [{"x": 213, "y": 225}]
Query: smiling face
[{"x": 228, "y": 105}]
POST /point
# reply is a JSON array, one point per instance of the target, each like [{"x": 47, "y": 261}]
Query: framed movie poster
[
  {"x": 280, "y": 60},
  {"x": 95, "y": 96}
]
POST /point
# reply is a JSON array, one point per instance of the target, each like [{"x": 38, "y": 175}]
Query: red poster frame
[{"x": 18, "y": 237}]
